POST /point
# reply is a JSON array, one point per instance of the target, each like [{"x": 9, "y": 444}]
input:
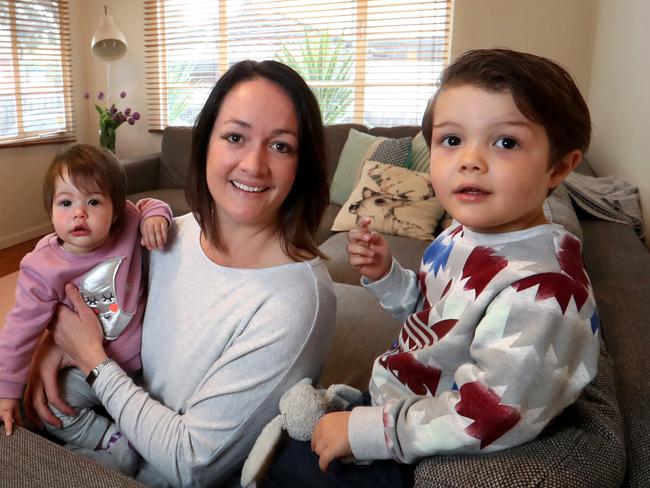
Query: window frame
[{"x": 62, "y": 58}]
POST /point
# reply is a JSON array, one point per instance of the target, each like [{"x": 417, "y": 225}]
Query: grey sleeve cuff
[
  {"x": 385, "y": 287},
  {"x": 108, "y": 374},
  {"x": 398, "y": 292},
  {"x": 366, "y": 434}
]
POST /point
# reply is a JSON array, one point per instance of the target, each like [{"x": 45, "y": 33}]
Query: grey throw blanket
[{"x": 607, "y": 198}]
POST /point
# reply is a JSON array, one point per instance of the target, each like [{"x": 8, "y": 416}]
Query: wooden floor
[{"x": 10, "y": 257}]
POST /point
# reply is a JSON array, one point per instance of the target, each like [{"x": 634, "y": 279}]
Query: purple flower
[
  {"x": 122, "y": 94},
  {"x": 136, "y": 115},
  {"x": 113, "y": 110},
  {"x": 131, "y": 120},
  {"x": 86, "y": 95},
  {"x": 127, "y": 111},
  {"x": 100, "y": 96}
]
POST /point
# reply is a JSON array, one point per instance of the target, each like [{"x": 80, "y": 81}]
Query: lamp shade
[{"x": 108, "y": 43}]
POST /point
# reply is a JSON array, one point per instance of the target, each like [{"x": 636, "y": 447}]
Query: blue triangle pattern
[
  {"x": 595, "y": 322},
  {"x": 437, "y": 254}
]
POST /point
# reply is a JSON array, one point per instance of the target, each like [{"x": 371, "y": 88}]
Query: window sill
[{"x": 38, "y": 142}]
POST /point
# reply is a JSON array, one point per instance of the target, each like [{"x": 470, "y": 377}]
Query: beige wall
[
  {"x": 22, "y": 168},
  {"x": 619, "y": 95},
  {"x": 564, "y": 30}
]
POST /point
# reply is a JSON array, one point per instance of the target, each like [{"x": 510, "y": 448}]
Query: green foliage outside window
[{"x": 323, "y": 59}]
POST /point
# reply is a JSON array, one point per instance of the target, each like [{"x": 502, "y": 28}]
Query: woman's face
[{"x": 252, "y": 155}]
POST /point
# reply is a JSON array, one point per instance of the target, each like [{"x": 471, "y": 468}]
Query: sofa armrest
[
  {"x": 27, "y": 459},
  {"x": 619, "y": 265},
  {"x": 142, "y": 173}
]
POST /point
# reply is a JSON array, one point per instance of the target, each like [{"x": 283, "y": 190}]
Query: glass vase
[{"x": 107, "y": 136}]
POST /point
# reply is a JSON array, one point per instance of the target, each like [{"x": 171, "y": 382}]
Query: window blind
[
  {"x": 35, "y": 72},
  {"x": 374, "y": 62}
]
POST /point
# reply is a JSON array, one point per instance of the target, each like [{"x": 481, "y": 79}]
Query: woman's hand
[
  {"x": 78, "y": 332},
  {"x": 43, "y": 386}
]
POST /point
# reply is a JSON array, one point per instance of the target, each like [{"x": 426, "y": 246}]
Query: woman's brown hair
[{"x": 303, "y": 209}]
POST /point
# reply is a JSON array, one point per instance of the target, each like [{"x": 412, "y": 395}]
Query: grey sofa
[{"x": 601, "y": 440}]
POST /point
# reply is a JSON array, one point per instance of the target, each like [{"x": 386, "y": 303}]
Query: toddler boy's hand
[
  {"x": 330, "y": 438},
  {"x": 154, "y": 232},
  {"x": 9, "y": 413},
  {"x": 368, "y": 252}
]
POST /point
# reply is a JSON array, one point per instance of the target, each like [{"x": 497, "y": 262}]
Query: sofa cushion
[
  {"x": 397, "y": 200},
  {"x": 175, "y": 197},
  {"x": 583, "y": 447},
  {"x": 358, "y": 148},
  {"x": 175, "y": 156},
  {"x": 359, "y": 321},
  {"x": 559, "y": 210},
  {"x": 618, "y": 264},
  {"x": 27, "y": 459},
  {"x": 324, "y": 231},
  {"x": 419, "y": 157},
  {"x": 395, "y": 132},
  {"x": 406, "y": 250},
  {"x": 336, "y": 136}
]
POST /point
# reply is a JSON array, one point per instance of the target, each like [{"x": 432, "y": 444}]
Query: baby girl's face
[{"x": 81, "y": 220}]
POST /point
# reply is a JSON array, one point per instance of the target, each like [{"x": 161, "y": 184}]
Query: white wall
[{"x": 619, "y": 95}]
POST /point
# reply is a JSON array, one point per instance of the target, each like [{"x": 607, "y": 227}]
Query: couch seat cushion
[
  {"x": 406, "y": 250},
  {"x": 359, "y": 321}
]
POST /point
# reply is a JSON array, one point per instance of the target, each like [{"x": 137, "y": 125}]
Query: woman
[{"x": 240, "y": 304}]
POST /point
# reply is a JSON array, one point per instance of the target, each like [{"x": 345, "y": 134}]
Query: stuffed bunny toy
[{"x": 300, "y": 408}]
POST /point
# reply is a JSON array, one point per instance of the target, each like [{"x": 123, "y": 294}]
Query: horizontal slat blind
[
  {"x": 370, "y": 61},
  {"x": 35, "y": 72}
]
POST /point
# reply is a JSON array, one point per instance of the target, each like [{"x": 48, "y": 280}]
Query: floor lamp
[{"x": 108, "y": 44}]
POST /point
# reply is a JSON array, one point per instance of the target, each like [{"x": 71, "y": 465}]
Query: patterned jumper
[{"x": 499, "y": 335}]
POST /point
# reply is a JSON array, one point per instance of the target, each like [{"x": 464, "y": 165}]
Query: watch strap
[{"x": 94, "y": 373}]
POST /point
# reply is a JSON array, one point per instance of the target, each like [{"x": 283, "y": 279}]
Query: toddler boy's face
[
  {"x": 82, "y": 220},
  {"x": 489, "y": 163}
]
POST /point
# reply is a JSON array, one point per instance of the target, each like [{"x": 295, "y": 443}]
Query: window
[
  {"x": 35, "y": 72},
  {"x": 374, "y": 62}
]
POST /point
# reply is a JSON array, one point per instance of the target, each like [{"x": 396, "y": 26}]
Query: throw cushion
[
  {"x": 397, "y": 200},
  {"x": 419, "y": 157},
  {"x": 358, "y": 148}
]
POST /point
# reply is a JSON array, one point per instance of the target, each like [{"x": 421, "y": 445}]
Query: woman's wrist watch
[{"x": 94, "y": 373}]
